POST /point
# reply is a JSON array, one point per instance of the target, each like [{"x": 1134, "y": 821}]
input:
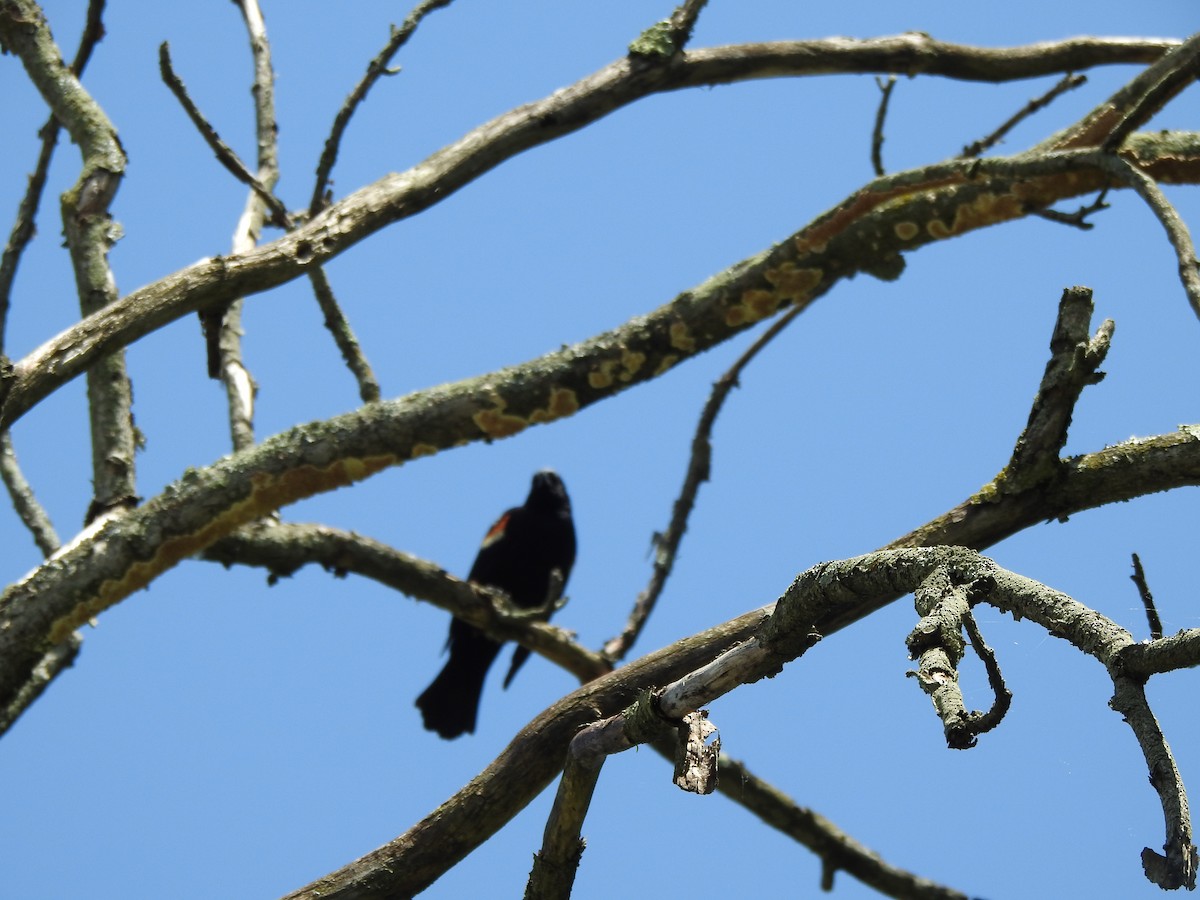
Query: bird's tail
[{"x": 450, "y": 704}]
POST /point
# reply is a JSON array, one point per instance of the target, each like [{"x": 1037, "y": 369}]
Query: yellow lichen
[
  {"x": 496, "y": 423},
  {"x": 986, "y": 209},
  {"x": 906, "y": 231},
  {"x": 805, "y": 246},
  {"x": 938, "y": 229},
  {"x": 632, "y": 360},
  {"x": 791, "y": 284},
  {"x": 602, "y": 376},
  {"x": 563, "y": 402},
  {"x": 681, "y": 338}
]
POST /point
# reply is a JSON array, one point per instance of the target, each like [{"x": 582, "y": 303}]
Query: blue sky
[{"x": 221, "y": 739}]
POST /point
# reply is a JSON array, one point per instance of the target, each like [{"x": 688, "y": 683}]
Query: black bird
[{"x": 519, "y": 556}]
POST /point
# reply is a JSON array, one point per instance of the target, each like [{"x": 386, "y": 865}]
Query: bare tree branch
[
  {"x": 225, "y": 154},
  {"x": 20, "y": 491},
  {"x": 398, "y": 196},
  {"x": 282, "y": 549},
  {"x": 24, "y": 502},
  {"x": 1068, "y": 82},
  {"x": 343, "y": 336},
  {"x": 1177, "y": 231},
  {"x": 90, "y": 232},
  {"x": 223, "y": 326},
  {"x": 1132, "y": 105},
  {"x": 1079, "y": 218},
  {"x": 754, "y": 647},
  {"x": 377, "y": 68},
  {"x": 1155, "y": 89},
  {"x": 666, "y": 545},
  {"x": 1074, "y": 364},
  {"x": 886, "y": 86},
  {"x": 837, "y": 850},
  {"x": 1139, "y": 578},
  {"x": 1178, "y": 867}
]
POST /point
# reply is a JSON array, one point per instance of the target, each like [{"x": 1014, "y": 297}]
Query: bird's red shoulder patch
[{"x": 495, "y": 532}]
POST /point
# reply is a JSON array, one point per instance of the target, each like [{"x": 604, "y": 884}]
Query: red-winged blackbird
[{"x": 518, "y": 556}]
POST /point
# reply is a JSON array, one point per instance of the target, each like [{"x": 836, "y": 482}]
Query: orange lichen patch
[
  {"x": 420, "y": 450},
  {"x": 743, "y": 312},
  {"x": 681, "y": 338},
  {"x": 804, "y": 245},
  {"x": 268, "y": 493},
  {"x": 602, "y": 375},
  {"x": 938, "y": 229},
  {"x": 906, "y": 231},
  {"x": 632, "y": 360},
  {"x": 563, "y": 402},
  {"x": 622, "y": 369},
  {"x": 985, "y": 209},
  {"x": 496, "y": 423},
  {"x": 792, "y": 283}
]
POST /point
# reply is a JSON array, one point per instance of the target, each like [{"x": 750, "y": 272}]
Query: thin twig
[
  {"x": 886, "y": 86},
  {"x": 836, "y": 849},
  {"x": 31, "y": 513},
  {"x": 343, "y": 336},
  {"x": 1068, "y": 82},
  {"x": 1077, "y": 219},
  {"x": 1177, "y": 230},
  {"x": 1139, "y": 578},
  {"x": 984, "y": 722},
  {"x": 54, "y": 662},
  {"x": 224, "y": 153},
  {"x": 666, "y": 545},
  {"x": 377, "y": 68}
]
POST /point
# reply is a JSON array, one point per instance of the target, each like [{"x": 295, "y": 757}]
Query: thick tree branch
[
  {"x": 415, "y": 859},
  {"x": 1074, "y": 364},
  {"x": 755, "y": 646},
  {"x": 396, "y": 197},
  {"x": 1112, "y": 121}
]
